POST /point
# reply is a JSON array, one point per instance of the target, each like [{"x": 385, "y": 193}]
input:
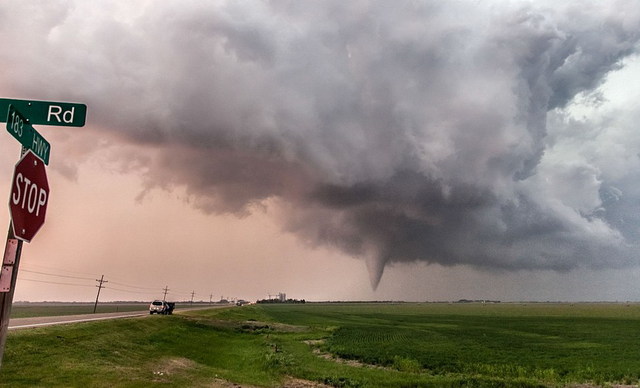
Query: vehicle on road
[{"x": 161, "y": 307}]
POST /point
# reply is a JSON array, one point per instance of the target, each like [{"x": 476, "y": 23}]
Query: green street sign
[
  {"x": 67, "y": 114},
  {"x": 18, "y": 127}
]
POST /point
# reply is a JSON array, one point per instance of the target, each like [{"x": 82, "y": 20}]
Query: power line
[
  {"x": 84, "y": 278},
  {"x": 84, "y": 285},
  {"x": 52, "y": 274},
  {"x": 136, "y": 292},
  {"x": 121, "y": 281},
  {"x": 127, "y": 291},
  {"x": 135, "y": 288},
  {"x": 127, "y": 285},
  {"x": 181, "y": 292},
  {"x": 58, "y": 269},
  {"x": 44, "y": 281}
]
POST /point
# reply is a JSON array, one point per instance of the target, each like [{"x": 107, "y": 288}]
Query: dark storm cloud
[{"x": 402, "y": 131}]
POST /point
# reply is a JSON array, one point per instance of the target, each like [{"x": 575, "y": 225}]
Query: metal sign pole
[
  {"x": 19, "y": 126},
  {"x": 8, "y": 279},
  {"x": 11, "y": 261}
]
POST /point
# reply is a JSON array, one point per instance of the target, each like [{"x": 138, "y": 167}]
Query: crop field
[
  {"x": 496, "y": 344},
  {"x": 341, "y": 345}
]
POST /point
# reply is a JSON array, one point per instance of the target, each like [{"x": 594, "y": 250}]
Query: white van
[{"x": 157, "y": 307}]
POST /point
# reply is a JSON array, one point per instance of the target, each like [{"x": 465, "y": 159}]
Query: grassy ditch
[{"x": 341, "y": 345}]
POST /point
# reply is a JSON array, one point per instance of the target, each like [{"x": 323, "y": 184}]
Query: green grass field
[
  {"x": 24, "y": 310},
  {"x": 45, "y": 309},
  {"x": 342, "y": 345}
]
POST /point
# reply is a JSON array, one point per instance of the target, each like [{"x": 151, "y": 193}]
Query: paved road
[{"x": 25, "y": 323}]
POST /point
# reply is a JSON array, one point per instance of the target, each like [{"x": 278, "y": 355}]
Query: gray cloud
[{"x": 413, "y": 131}]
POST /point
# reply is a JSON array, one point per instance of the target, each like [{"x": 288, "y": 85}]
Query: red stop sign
[{"x": 29, "y": 196}]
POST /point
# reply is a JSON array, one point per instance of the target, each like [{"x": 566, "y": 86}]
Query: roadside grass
[
  {"x": 341, "y": 345},
  {"x": 164, "y": 350}
]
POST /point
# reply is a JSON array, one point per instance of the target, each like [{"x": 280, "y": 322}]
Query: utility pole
[
  {"x": 165, "y": 289},
  {"x": 210, "y": 298},
  {"x": 100, "y": 287},
  {"x": 192, "y": 294}
]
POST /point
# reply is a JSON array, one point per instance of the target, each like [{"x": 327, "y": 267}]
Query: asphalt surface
[{"x": 25, "y": 323}]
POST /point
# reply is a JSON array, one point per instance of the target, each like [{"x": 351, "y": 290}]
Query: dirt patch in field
[
  {"x": 299, "y": 383},
  {"x": 600, "y": 386},
  {"x": 288, "y": 383},
  {"x": 171, "y": 366},
  {"x": 316, "y": 350},
  {"x": 273, "y": 326},
  {"x": 220, "y": 383},
  {"x": 251, "y": 326}
]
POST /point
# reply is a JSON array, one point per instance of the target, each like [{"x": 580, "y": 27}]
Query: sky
[{"x": 331, "y": 150}]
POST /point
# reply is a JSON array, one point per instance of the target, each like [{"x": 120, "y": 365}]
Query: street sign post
[
  {"x": 18, "y": 126},
  {"x": 29, "y": 186},
  {"x": 67, "y": 114},
  {"x": 29, "y": 197}
]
